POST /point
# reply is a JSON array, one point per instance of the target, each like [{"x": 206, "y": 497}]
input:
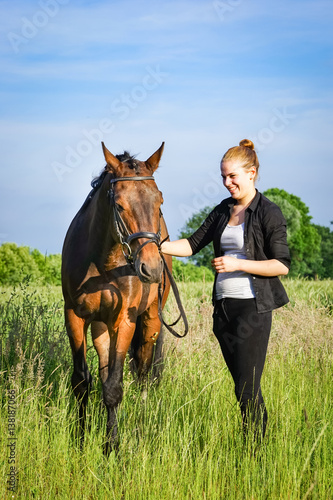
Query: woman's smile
[{"x": 238, "y": 181}]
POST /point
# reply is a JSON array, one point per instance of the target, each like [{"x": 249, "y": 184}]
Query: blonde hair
[{"x": 245, "y": 154}]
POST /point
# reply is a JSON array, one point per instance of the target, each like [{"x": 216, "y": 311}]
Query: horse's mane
[
  {"x": 124, "y": 158},
  {"x": 97, "y": 181}
]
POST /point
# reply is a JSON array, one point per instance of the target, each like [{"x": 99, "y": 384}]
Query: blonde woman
[{"x": 250, "y": 245}]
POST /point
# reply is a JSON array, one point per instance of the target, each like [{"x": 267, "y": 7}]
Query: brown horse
[{"x": 111, "y": 270}]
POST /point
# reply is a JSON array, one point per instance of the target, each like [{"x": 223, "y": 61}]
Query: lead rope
[{"x": 182, "y": 314}]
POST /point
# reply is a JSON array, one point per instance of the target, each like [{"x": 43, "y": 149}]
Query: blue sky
[{"x": 199, "y": 75}]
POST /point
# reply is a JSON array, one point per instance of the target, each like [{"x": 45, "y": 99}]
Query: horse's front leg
[
  {"x": 101, "y": 340},
  {"x": 120, "y": 339}
]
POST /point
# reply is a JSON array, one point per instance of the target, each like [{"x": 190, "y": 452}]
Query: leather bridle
[
  {"x": 126, "y": 238},
  {"x": 124, "y": 235}
]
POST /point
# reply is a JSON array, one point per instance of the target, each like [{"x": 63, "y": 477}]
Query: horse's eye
[{"x": 119, "y": 207}]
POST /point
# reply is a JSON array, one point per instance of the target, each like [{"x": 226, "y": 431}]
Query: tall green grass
[{"x": 184, "y": 440}]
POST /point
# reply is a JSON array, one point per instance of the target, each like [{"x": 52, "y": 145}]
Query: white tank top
[{"x": 238, "y": 284}]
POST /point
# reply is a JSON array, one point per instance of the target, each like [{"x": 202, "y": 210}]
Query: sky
[{"x": 199, "y": 75}]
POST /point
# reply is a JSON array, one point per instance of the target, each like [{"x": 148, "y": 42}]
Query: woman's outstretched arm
[{"x": 178, "y": 248}]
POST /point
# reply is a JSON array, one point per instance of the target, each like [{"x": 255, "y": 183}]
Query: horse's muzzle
[{"x": 149, "y": 273}]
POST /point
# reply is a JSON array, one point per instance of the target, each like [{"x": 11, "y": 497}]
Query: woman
[{"x": 250, "y": 245}]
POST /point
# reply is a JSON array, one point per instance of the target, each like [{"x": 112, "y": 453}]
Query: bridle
[{"x": 124, "y": 236}]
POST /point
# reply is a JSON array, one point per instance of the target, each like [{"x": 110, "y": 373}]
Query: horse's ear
[
  {"x": 154, "y": 160},
  {"x": 111, "y": 160}
]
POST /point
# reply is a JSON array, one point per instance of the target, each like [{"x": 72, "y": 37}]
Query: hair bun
[{"x": 246, "y": 143}]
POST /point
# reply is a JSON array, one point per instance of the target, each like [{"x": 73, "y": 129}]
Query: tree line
[
  {"x": 311, "y": 248},
  {"x": 19, "y": 263}
]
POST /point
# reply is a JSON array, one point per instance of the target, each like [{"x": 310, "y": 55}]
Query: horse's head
[{"x": 135, "y": 202}]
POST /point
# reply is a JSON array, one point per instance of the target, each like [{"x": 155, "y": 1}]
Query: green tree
[
  {"x": 204, "y": 257},
  {"x": 49, "y": 267},
  {"x": 304, "y": 241},
  {"x": 16, "y": 264},
  {"x": 53, "y": 272},
  {"x": 326, "y": 247},
  {"x": 19, "y": 263}
]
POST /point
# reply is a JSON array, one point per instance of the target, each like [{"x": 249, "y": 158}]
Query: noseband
[{"x": 125, "y": 237}]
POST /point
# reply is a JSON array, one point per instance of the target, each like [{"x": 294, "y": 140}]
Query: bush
[
  {"x": 18, "y": 264},
  {"x": 189, "y": 272}
]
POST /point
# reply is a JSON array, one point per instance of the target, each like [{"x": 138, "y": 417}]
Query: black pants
[{"x": 243, "y": 335}]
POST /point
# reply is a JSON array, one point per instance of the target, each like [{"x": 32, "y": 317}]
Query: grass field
[{"x": 184, "y": 440}]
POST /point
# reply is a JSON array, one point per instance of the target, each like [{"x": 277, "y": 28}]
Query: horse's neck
[{"x": 98, "y": 221}]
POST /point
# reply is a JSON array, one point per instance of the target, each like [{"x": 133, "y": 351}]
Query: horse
[{"x": 112, "y": 276}]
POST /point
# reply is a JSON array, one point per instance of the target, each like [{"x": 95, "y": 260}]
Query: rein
[
  {"x": 126, "y": 238},
  {"x": 182, "y": 314}
]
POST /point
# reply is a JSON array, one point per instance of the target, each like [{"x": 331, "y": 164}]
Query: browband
[{"x": 144, "y": 178}]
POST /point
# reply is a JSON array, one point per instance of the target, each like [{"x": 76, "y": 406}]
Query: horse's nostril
[
  {"x": 144, "y": 270},
  {"x": 149, "y": 274}
]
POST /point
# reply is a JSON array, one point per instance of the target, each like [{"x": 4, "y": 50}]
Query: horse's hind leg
[
  {"x": 158, "y": 357},
  {"x": 146, "y": 351},
  {"x": 81, "y": 378}
]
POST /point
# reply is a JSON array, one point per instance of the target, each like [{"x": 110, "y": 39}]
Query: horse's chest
[{"x": 111, "y": 302}]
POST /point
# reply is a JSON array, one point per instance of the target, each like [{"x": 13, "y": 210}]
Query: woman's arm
[
  {"x": 272, "y": 267},
  {"x": 178, "y": 248}
]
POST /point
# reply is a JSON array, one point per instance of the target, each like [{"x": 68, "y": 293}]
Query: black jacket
[{"x": 265, "y": 237}]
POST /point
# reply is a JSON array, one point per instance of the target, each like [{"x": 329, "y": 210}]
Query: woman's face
[{"x": 238, "y": 181}]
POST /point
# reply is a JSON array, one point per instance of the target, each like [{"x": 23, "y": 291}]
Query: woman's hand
[
  {"x": 271, "y": 267},
  {"x": 225, "y": 264}
]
